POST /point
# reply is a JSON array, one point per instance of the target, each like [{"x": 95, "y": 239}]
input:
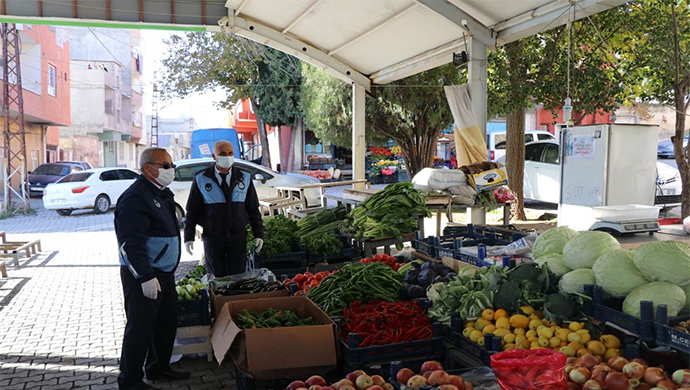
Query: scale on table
[{"x": 626, "y": 219}]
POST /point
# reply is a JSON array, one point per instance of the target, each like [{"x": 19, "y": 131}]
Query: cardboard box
[
  {"x": 490, "y": 179},
  {"x": 276, "y": 352},
  {"x": 456, "y": 265},
  {"x": 218, "y": 301}
]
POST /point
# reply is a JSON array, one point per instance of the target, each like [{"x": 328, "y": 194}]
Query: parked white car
[
  {"x": 265, "y": 181},
  {"x": 496, "y": 141},
  {"x": 96, "y": 189},
  {"x": 541, "y": 181}
]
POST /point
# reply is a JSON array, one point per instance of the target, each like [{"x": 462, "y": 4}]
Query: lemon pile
[{"x": 532, "y": 331}]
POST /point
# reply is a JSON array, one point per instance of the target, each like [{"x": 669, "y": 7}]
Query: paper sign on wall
[
  {"x": 205, "y": 150},
  {"x": 583, "y": 148}
]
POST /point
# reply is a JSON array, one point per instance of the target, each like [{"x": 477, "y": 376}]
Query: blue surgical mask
[{"x": 225, "y": 162}]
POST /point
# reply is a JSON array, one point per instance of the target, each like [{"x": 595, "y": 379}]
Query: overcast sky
[{"x": 200, "y": 107}]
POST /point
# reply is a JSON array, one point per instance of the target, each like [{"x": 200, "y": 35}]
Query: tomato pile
[
  {"x": 385, "y": 259},
  {"x": 307, "y": 281}
]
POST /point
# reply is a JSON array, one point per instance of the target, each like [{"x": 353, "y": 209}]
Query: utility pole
[
  {"x": 13, "y": 117},
  {"x": 154, "y": 112}
]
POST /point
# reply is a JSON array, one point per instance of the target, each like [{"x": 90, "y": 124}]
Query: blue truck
[{"x": 204, "y": 139}]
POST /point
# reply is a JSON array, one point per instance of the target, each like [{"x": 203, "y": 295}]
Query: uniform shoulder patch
[{"x": 208, "y": 187}]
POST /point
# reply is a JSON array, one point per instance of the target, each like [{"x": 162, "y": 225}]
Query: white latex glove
[
  {"x": 259, "y": 243},
  {"x": 151, "y": 288},
  {"x": 189, "y": 245}
]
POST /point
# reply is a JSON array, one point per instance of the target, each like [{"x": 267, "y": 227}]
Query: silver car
[{"x": 265, "y": 181}]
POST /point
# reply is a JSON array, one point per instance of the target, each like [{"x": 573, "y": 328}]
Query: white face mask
[
  {"x": 225, "y": 162},
  {"x": 165, "y": 176}
]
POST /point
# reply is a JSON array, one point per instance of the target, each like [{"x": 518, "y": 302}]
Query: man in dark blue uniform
[
  {"x": 223, "y": 201},
  {"x": 148, "y": 238}
]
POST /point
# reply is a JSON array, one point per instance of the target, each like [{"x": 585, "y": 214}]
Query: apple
[
  {"x": 364, "y": 382},
  {"x": 344, "y": 382},
  {"x": 426, "y": 375},
  {"x": 448, "y": 387},
  {"x": 346, "y": 387},
  {"x": 378, "y": 380},
  {"x": 375, "y": 387},
  {"x": 316, "y": 380},
  {"x": 456, "y": 381},
  {"x": 352, "y": 377},
  {"x": 386, "y": 386},
  {"x": 404, "y": 375},
  {"x": 328, "y": 388},
  {"x": 468, "y": 386},
  {"x": 417, "y": 381},
  {"x": 438, "y": 378},
  {"x": 431, "y": 365},
  {"x": 315, "y": 387},
  {"x": 297, "y": 385}
]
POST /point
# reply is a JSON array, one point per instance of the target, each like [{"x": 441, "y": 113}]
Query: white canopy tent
[{"x": 362, "y": 42}]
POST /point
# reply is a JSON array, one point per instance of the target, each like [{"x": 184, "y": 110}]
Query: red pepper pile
[
  {"x": 381, "y": 323},
  {"x": 524, "y": 369},
  {"x": 307, "y": 281},
  {"x": 385, "y": 259}
]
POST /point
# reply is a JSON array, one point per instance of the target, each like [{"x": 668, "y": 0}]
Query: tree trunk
[
  {"x": 515, "y": 161},
  {"x": 263, "y": 137},
  {"x": 296, "y": 127}
]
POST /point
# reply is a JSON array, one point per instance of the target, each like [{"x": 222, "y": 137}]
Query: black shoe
[{"x": 170, "y": 374}]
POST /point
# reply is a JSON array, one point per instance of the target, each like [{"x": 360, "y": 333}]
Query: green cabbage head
[
  {"x": 617, "y": 274},
  {"x": 665, "y": 261},
  {"x": 555, "y": 264},
  {"x": 575, "y": 281},
  {"x": 552, "y": 241},
  {"x": 659, "y": 293},
  {"x": 585, "y": 249}
]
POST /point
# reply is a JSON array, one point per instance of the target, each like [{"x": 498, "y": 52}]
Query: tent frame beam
[
  {"x": 462, "y": 19},
  {"x": 302, "y": 50}
]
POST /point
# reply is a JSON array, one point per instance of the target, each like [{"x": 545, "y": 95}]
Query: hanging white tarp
[{"x": 470, "y": 146}]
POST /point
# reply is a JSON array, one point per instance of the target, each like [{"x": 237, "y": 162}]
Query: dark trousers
[
  {"x": 150, "y": 331},
  {"x": 226, "y": 255}
]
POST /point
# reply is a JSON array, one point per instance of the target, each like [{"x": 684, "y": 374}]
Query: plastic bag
[
  {"x": 520, "y": 247},
  {"x": 429, "y": 179},
  {"x": 262, "y": 273},
  {"x": 530, "y": 369},
  {"x": 481, "y": 378}
]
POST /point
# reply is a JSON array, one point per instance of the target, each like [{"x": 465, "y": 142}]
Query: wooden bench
[
  {"x": 3, "y": 269},
  {"x": 270, "y": 206},
  {"x": 370, "y": 247},
  {"x": 12, "y": 249}
]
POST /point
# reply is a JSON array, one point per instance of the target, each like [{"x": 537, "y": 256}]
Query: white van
[{"x": 496, "y": 141}]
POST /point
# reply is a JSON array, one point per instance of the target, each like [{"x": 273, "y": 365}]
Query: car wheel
[
  {"x": 102, "y": 204},
  {"x": 179, "y": 214},
  {"x": 64, "y": 212}
]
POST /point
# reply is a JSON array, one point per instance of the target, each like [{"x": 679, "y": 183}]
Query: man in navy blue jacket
[
  {"x": 148, "y": 238},
  {"x": 223, "y": 200}
]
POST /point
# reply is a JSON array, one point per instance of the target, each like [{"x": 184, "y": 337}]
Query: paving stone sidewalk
[{"x": 61, "y": 312}]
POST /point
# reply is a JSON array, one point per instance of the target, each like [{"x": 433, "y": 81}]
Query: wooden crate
[{"x": 194, "y": 332}]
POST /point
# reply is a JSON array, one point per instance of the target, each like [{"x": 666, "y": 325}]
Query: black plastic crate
[
  {"x": 244, "y": 382},
  {"x": 348, "y": 251},
  {"x": 193, "y": 313},
  {"x": 354, "y": 356},
  {"x": 283, "y": 264},
  {"x": 474, "y": 351},
  {"x": 667, "y": 335},
  {"x": 610, "y": 311}
]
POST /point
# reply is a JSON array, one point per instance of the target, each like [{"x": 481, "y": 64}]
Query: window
[
  {"x": 109, "y": 176},
  {"x": 52, "y": 170},
  {"x": 126, "y": 174},
  {"x": 34, "y": 159},
  {"x": 75, "y": 177},
  {"x": 533, "y": 152},
  {"x": 529, "y": 138},
  {"x": 545, "y": 137},
  {"x": 52, "y": 80},
  {"x": 500, "y": 141},
  {"x": 550, "y": 154},
  {"x": 187, "y": 173}
]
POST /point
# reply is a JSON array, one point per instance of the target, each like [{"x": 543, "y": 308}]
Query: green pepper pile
[
  {"x": 271, "y": 318},
  {"x": 356, "y": 282},
  {"x": 387, "y": 213}
]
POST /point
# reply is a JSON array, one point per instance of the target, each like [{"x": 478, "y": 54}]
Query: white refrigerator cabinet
[{"x": 605, "y": 165}]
